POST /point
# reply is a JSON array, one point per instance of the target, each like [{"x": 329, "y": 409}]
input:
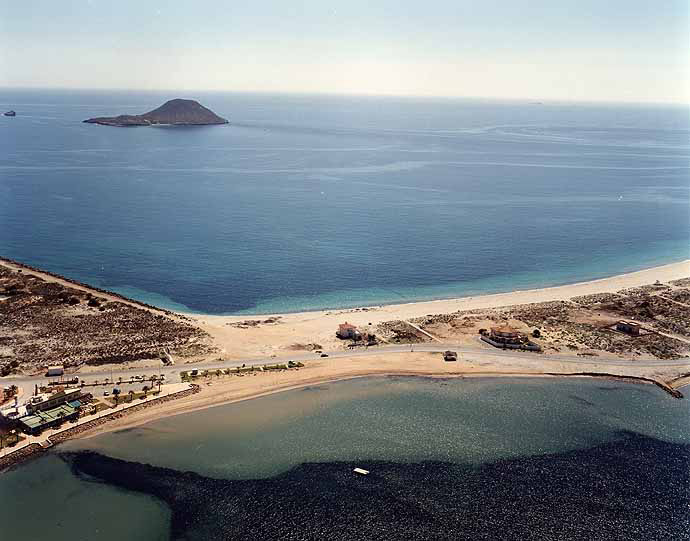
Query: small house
[
  {"x": 507, "y": 335},
  {"x": 347, "y": 330},
  {"x": 628, "y": 327}
]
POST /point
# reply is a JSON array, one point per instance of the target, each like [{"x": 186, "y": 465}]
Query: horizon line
[{"x": 534, "y": 100}]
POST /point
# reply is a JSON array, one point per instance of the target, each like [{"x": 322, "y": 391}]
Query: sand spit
[{"x": 237, "y": 340}]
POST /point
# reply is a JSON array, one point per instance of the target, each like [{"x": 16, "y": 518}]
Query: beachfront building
[
  {"x": 508, "y": 338},
  {"x": 347, "y": 330},
  {"x": 51, "y": 418},
  {"x": 37, "y": 404},
  {"x": 507, "y": 335},
  {"x": 46, "y": 401},
  {"x": 628, "y": 327}
]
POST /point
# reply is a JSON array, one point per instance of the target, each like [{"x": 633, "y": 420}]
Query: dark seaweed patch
[
  {"x": 637, "y": 488},
  {"x": 581, "y": 400}
]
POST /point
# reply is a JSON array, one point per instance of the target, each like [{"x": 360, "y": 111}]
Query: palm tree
[
  {"x": 146, "y": 390},
  {"x": 131, "y": 395},
  {"x": 116, "y": 394}
]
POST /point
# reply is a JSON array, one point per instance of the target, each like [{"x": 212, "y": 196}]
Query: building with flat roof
[
  {"x": 36, "y": 423},
  {"x": 46, "y": 401},
  {"x": 628, "y": 327}
]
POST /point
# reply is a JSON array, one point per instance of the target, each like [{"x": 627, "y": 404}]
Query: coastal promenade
[
  {"x": 423, "y": 360},
  {"x": 53, "y": 435},
  {"x": 479, "y": 354}
]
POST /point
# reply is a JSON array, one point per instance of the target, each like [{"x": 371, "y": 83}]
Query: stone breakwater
[
  {"x": 675, "y": 393},
  {"x": 34, "y": 449}
]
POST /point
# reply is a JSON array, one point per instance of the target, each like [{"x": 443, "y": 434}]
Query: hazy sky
[{"x": 610, "y": 50}]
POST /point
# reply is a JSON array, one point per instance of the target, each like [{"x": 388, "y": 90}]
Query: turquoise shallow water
[
  {"x": 307, "y": 202},
  {"x": 396, "y": 420},
  {"x": 399, "y": 419}
]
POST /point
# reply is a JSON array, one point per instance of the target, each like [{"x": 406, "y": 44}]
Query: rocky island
[{"x": 175, "y": 112}]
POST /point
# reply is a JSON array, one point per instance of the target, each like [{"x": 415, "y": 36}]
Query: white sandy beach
[{"x": 319, "y": 327}]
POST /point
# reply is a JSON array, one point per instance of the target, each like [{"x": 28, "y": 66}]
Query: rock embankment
[{"x": 25, "y": 453}]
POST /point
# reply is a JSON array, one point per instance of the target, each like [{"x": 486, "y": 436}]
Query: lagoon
[{"x": 395, "y": 424}]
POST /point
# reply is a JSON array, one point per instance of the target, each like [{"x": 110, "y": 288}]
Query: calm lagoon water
[
  {"x": 307, "y": 202},
  {"x": 397, "y": 420}
]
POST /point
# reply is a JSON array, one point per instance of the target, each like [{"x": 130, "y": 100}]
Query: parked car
[
  {"x": 324, "y": 354},
  {"x": 106, "y": 393}
]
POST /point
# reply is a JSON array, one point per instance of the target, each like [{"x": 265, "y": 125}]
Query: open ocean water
[
  {"x": 310, "y": 202},
  {"x": 449, "y": 459}
]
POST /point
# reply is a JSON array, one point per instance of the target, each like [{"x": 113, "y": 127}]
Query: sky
[{"x": 572, "y": 50}]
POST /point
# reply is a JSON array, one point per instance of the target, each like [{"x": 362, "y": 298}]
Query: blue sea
[{"x": 312, "y": 202}]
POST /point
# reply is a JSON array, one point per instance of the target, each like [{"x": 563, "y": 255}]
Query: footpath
[{"x": 10, "y": 456}]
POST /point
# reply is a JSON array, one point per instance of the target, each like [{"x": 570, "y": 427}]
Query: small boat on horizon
[{"x": 10, "y": 113}]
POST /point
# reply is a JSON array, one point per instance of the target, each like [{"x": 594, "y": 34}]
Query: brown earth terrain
[
  {"x": 582, "y": 325},
  {"x": 45, "y": 321},
  {"x": 49, "y": 319}
]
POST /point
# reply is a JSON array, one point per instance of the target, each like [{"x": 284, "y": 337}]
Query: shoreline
[
  {"x": 199, "y": 402},
  {"x": 246, "y": 337},
  {"x": 193, "y": 400},
  {"x": 670, "y": 271},
  {"x": 250, "y": 313},
  {"x": 664, "y": 273},
  {"x": 36, "y": 448},
  {"x": 11, "y": 263}
]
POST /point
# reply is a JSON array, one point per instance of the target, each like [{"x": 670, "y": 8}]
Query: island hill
[{"x": 177, "y": 112}]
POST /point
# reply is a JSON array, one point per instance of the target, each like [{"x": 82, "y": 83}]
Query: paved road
[{"x": 476, "y": 354}]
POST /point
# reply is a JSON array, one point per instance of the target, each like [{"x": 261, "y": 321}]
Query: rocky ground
[
  {"x": 44, "y": 322},
  {"x": 581, "y": 325}
]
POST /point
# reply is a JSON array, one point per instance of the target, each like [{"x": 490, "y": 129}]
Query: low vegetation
[
  {"x": 585, "y": 325},
  {"x": 42, "y": 320}
]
